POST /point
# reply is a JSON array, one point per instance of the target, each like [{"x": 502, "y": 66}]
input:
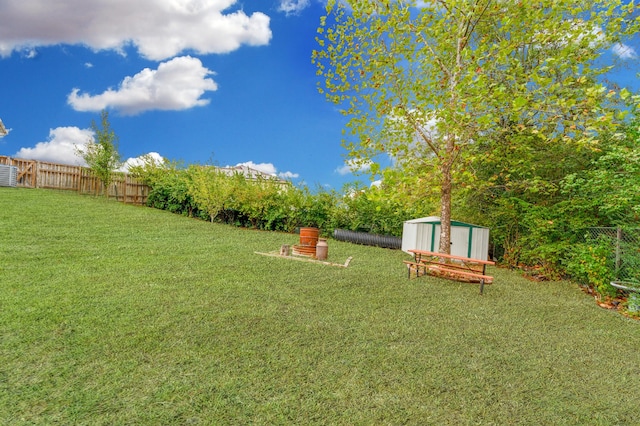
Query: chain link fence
[{"x": 624, "y": 244}]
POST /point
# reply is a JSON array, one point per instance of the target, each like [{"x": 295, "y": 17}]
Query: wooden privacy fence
[{"x": 40, "y": 174}]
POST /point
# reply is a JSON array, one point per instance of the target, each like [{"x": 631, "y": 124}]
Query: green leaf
[
  {"x": 519, "y": 102},
  {"x": 624, "y": 94}
]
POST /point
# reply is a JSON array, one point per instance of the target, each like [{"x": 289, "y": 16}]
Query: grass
[{"x": 114, "y": 314}]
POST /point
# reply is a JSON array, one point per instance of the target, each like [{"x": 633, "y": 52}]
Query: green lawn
[{"x": 114, "y": 314}]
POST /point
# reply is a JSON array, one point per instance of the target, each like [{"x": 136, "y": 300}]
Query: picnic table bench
[{"x": 449, "y": 266}]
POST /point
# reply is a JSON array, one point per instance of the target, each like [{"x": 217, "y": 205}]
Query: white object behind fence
[{"x": 8, "y": 175}]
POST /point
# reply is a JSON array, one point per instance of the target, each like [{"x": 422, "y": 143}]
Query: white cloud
[
  {"x": 176, "y": 85},
  {"x": 624, "y": 52},
  {"x": 293, "y": 7},
  {"x": 351, "y": 166},
  {"x": 343, "y": 170},
  {"x": 159, "y": 29},
  {"x": 151, "y": 157},
  {"x": 60, "y": 147}
]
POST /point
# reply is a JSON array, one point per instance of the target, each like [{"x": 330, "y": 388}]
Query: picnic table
[{"x": 449, "y": 266}]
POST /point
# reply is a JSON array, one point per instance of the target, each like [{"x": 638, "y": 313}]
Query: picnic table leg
[
  {"x": 484, "y": 272},
  {"x": 409, "y": 268}
]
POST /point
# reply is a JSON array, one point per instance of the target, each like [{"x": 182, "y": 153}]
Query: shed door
[{"x": 460, "y": 241}]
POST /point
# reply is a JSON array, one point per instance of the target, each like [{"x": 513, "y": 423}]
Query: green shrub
[
  {"x": 169, "y": 183},
  {"x": 206, "y": 192},
  {"x": 591, "y": 263}
]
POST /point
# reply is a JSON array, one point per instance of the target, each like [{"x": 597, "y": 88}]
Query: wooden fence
[{"x": 40, "y": 174}]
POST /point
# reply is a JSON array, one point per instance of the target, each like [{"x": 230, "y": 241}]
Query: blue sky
[
  {"x": 200, "y": 81},
  {"x": 223, "y": 82}
]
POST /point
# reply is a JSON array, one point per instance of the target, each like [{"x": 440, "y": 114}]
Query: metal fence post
[{"x": 618, "y": 239}]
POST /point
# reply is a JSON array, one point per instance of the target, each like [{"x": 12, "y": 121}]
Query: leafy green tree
[
  {"x": 423, "y": 84},
  {"x": 539, "y": 196},
  {"x": 608, "y": 189},
  {"x": 213, "y": 190},
  {"x": 101, "y": 152},
  {"x": 169, "y": 186}
]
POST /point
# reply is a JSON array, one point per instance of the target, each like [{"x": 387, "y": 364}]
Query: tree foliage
[
  {"x": 424, "y": 85},
  {"x": 101, "y": 152},
  {"x": 542, "y": 200},
  {"x": 211, "y": 189},
  {"x": 169, "y": 184},
  {"x": 208, "y": 193}
]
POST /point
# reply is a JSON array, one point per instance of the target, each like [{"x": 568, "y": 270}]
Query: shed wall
[{"x": 466, "y": 240}]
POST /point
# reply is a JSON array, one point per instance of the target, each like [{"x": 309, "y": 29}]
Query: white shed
[{"x": 466, "y": 240}]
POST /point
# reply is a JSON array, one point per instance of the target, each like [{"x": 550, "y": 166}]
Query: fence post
[{"x": 618, "y": 251}]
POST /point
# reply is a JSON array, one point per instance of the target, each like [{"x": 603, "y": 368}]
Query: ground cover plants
[{"x": 114, "y": 314}]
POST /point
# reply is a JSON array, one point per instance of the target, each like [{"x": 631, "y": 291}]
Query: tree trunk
[
  {"x": 445, "y": 196},
  {"x": 445, "y": 210}
]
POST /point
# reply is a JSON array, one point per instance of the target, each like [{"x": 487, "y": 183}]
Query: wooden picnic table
[{"x": 450, "y": 266}]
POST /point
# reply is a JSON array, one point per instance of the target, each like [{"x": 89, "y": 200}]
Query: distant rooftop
[{"x": 250, "y": 173}]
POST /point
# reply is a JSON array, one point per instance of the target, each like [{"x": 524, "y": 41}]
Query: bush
[
  {"x": 208, "y": 193},
  {"x": 592, "y": 263},
  {"x": 169, "y": 183}
]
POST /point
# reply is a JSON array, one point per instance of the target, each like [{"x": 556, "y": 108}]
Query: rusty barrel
[{"x": 309, "y": 236}]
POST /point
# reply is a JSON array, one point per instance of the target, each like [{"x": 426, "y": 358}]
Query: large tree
[{"x": 423, "y": 83}]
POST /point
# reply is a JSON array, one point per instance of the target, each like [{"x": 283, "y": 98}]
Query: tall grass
[{"x": 114, "y": 314}]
